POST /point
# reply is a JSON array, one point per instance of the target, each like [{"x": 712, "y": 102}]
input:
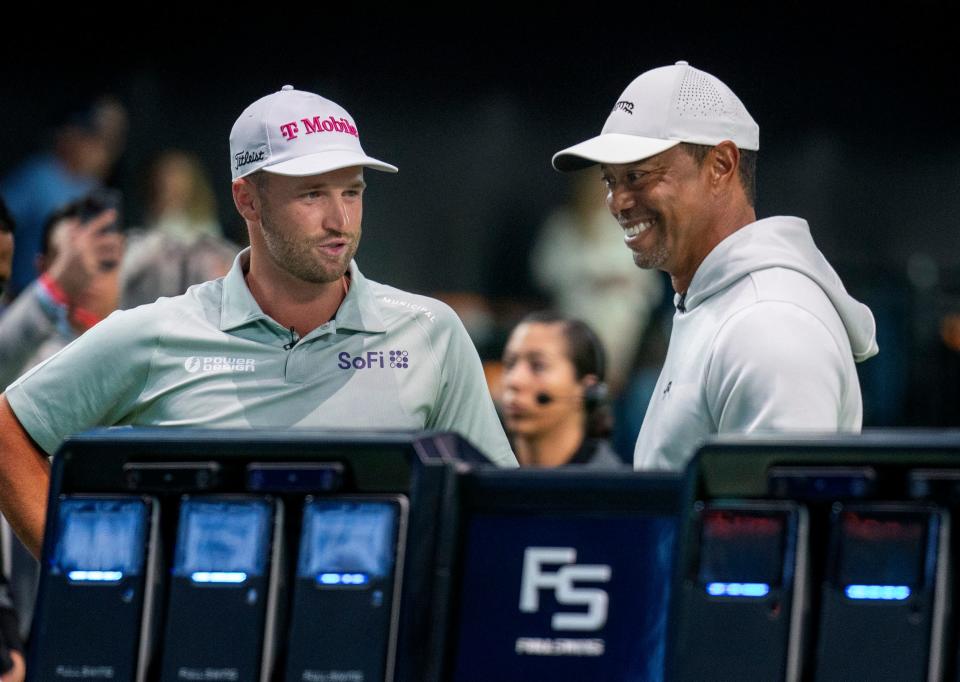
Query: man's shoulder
[
  {"x": 772, "y": 287},
  {"x": 200, "y": 302},
  {"x": 785, "y": 288},
  {"x": 785, "y": 284},
  {"x": 396, "y": 305}
]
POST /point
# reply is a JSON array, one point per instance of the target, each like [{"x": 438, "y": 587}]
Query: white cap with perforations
[{"x": 660, "y": 109}]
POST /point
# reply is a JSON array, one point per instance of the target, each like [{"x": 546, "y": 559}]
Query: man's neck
[
  {"x": 290, "y": 301},
  {"x": 727, "y": 223}
]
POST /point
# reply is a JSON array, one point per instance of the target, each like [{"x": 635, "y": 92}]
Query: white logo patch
[
  {"x": 415, "y": 307},
  {"x": 196, "y": 364}
]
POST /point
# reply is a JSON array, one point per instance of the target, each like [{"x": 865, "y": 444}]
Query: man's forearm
[{"x": 24, "y": 480}]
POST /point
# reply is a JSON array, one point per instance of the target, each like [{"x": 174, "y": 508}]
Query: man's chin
[
  {"x": 324, "y": 276},
  {"x": 648, "y": 261}
]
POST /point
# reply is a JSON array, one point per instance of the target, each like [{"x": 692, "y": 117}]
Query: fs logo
[{"x": 562, "y": 582}]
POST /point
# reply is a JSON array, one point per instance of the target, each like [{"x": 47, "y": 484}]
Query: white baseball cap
[
  {"x": 660, "y": 109},
  {"x": 292, "y": 132}
]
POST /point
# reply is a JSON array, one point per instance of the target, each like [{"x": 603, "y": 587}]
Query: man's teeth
[{"x": 631, "y": 231}]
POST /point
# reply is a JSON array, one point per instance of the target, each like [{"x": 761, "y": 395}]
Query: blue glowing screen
[
  {"x": 345, "y": 538},
  {"x": 750, "y": 590},
  {"x": 878, "y": 592},
  {"x": 222, "y": 537},
  {"x": 100, "y": 540}
]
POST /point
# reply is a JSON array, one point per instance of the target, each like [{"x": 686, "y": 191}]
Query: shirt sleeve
[
  {"x": 775, "y": 367},
  {"x": 92, "y": 382},
  {"x": 464, "y": 404}
]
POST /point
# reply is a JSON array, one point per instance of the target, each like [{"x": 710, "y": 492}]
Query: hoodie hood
[{"x": 782, "y": 242}]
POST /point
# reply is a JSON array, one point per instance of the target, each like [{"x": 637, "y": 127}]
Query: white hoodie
[{"x": 764, "y": 340}]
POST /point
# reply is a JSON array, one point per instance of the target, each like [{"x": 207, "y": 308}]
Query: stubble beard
[
  {"x": 297, "y": 256},
  {"x": 655, "y": 257},
  {"x": 650, "y": 260}
]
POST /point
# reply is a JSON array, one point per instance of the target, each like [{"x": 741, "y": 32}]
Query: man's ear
[
  {"x": 246, "y": 198},
  {"x": 723, "y": 164}
]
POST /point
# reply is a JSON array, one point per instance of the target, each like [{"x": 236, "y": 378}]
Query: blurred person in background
[
  {"x": 554, "y": 399},
  {"x": 7, "y": 228},
  {"x": 12, "y": 664},
  {"x": 86, "y": 146},
  {"x": 578, "y": 261},
  {"x": 181, "y": 243},
  {"x": 79, "y": 265}
]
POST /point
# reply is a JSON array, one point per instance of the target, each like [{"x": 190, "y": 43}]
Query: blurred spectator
[
  {"x": 182, "y": 243},
  {"x": 12, "y": 666},
  {"x": 554, "y": 400},
  {"x": 78, "y": 286},
  {"x": 579, "y": 260},
  {"x": 85, "y": 147},
  {"x": 7, "y": 228}
]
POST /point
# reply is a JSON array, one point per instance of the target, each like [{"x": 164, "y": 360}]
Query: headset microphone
[{"x": 594, "y": 396}]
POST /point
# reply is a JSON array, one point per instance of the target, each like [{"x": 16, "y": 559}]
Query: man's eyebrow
[{"x": 359, "y": 183}]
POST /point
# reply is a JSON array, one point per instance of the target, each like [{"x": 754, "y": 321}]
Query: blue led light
[
  {"x": 95, "y": 576},
  {"x": 753, "y": 590},
  {"x": 229, "y": 577},
  {"x": 878, "y": 592},
  {"x": 343, "y": 579}
]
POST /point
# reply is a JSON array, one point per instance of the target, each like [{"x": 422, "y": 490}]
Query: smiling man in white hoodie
[{"x": 765, "y": 336}]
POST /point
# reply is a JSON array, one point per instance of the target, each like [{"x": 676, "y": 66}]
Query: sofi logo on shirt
[{"x": 374, "y": 359}]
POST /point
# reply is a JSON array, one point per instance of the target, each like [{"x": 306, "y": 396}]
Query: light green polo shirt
[{"x": 212, "y": 358}]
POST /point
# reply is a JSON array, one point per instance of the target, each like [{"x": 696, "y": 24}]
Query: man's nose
[
  {"x": 620, "y": 200},
  {"x": 335, "y": 217}
]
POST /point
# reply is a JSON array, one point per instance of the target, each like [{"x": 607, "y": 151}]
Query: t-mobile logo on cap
[
  {"x": 562, "y": 582},
  {"x": 318, "y": 125}
]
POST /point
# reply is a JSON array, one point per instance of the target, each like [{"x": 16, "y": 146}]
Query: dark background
[{"x": 857, "y": 111}]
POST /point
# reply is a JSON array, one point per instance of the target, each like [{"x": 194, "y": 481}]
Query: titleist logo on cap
[
  {"x": 243, "y": 158},
  {"x": 318, "y": 125}
]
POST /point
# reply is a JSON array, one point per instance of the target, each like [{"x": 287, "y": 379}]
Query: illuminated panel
[
  {"x": 95, "y": 576},
  {"x": 738, "y": 589},
  {"x": 343, "y": 579},
  {"x": 879, "y": 550},
  {"x": 100, "y": 540},
  {"x": 222, "y": 541},
  {"x": 225, "y": 577},
  {"x": 741, "y": 548},
  {"x": 346, "y": 543},
  {"x": 878, "y": 592}
]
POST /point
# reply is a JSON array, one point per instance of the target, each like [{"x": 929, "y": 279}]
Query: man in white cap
[
  {"x": 764, "y": 336},
  {"x": 293, "y": 336}
]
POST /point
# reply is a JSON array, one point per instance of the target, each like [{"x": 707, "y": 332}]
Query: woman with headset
[{"x": 554, "y": 400}]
